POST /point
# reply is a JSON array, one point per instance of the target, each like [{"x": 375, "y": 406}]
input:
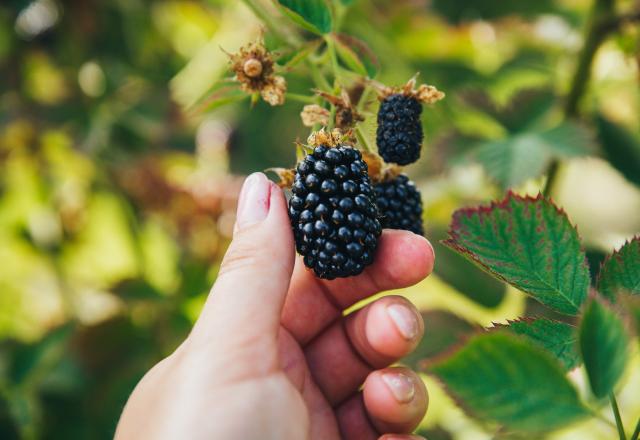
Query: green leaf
[
  {"x": 620, "y": 271},
  {"x": 621, "y": 148},
  {"x": 512, "y": 161},
  {"x": 137, "y": 289},
  {"x": 530, "y": 244},
  {"x": 31, "y": 363},
  {"x": 446, "y": 331},
  {"x": 603, "y": 344},
  {"x": 476, "y": 284},
  {"x": 313, "y": 15},
  {"x": 356, "y": 55},
  {"x": 463, "y": 10},
  {"x": 558, "y": 338},
  {"x": 525, "y": 109},
  {"x": 504, "y": 378},
  {"x": 347, "y": 2}
]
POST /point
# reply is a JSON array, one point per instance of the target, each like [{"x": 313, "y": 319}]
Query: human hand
[{"x": 273, "y": 357}]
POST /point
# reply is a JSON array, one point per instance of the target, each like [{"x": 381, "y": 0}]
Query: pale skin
[{"x": 273, "y": 356}]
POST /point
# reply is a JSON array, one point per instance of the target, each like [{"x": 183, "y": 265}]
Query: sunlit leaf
[
  {"x": 621, "y": 148},
  {"x": 620, "y": 271},
  {"x": 558, "y": 338},
  {"x": 505, "y": 378},
  {"x": 313, "y": 15},
  {"x": 529, "y": 243},
  {"x": 603, "y": 344}
]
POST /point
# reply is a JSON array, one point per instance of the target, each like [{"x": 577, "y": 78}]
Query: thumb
[{"x": 247, "y": 298}]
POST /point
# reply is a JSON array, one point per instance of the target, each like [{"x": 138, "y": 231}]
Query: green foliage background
[{"x": 117, "y": 193}]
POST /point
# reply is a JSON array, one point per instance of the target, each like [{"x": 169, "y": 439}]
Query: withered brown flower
[{"x": 254, "y": 69}]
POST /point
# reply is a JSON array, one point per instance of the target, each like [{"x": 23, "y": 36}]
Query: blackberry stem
[
  {"x": 362, "y": 139},
  {"x": 300, "y": 98},
  {"x": 636, "y": 432},
  {"x": 616, "y": 413},
  {"x": 331, "y": 48}
]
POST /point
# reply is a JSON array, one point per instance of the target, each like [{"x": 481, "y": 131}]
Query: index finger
[{"x": 402, "y": 259}]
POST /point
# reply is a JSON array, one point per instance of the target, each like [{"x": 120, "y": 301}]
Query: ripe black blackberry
[
  {"x": 400, "y": 204},
  {"x": 332, "y": 212},
  {"x": 399, "y": 135}
]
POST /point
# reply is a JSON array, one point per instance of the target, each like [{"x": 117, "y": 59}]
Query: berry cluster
[
  {"x": 400, "y": 204},
  {"x": 332, "y": 211},
  {"x": 399, "y": 135}
]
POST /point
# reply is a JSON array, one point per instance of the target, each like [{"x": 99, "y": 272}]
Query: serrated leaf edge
[
  {"x": 468, "y": 411},
  {"x": 452, "y": 244},
  {"x": 611, "y": 256}
]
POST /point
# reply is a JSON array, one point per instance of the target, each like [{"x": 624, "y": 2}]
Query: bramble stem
[
  {"x": 599, "y": 27},
  {"x": 616, "y": 413},
  {"x": 552, "y": 175},
  {"x": 318, "y": 78},
  {"x": 362, "y": 139},
  {"x": 331, "y": 48},
  {"x": 300, "y": 98},
  {"x": 636, "y": 432}
]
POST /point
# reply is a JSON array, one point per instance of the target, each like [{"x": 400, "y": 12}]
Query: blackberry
[
  {"x": 400, "y": 204},
  {"x": 399, "y": 136},
  {"x": 332, "y": 212}
]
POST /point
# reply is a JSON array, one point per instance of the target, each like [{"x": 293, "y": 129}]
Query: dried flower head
[
  {"x": 285, "y": 176},
  {"x": 254, "y": 69},
  {"x": 346, "y": 114},
  {"x": 425, "y": 93},
  {"x": 314, "y": 114},
  {"x": 323, "y": 137}
]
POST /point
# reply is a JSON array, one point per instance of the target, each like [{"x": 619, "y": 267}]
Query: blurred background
[{"x": 118, "y": 185}]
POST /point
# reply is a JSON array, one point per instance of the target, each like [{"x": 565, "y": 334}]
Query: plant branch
[
  {"x": 616, "y": 413},
  {"x": 602, "y": 22},
  {"x": 331, "y": 48},
  {"x": 362, "y": 139},
  {"x": 300, "y": 98},
  {"x": 636, "y": 432}
]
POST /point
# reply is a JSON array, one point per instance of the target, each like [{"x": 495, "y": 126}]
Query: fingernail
[
  {"x": 405, "y": 321},
  {"x": 401, "y": 386},
  {"x": 253, "y": 203}
]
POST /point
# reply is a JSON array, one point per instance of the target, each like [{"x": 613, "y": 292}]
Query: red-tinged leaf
[
  {"x": 620, "y": 271},
  {"x": 557, "y": 338},
  {"x": 529, "y": 243}
]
